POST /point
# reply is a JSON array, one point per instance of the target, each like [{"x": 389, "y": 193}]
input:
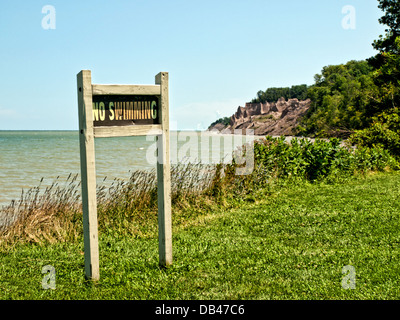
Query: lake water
[{"x": 28, "y": 156}]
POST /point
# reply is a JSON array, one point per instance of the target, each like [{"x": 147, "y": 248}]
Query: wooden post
[
  {"x": 164, "y": 177},
  {"x": 88, "y": 175}
]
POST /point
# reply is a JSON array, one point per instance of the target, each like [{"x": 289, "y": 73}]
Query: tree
[
  {"x": 387, "y": 63},
  {"x": 391, "y": 18},
  {"x": 387, "y": 77},
  {"x": 385, "y": 128},
  {"x": 340, "y": 99},
  {"x": 273, "y": 94},
  {"x": 225, "y": 121},
  {"x": 387, "y": 43}
]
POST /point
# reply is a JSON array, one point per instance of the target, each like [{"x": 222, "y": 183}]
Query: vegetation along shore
[{"x": 283, "y": 231}]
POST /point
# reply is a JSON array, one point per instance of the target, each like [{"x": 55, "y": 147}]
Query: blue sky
[{"x": 218, "y": 53}]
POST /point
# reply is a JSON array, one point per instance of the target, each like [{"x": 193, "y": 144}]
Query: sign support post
[
  {"x": 88, "y": 175},
  {"x": 117, "y": 111},
  {"x": 164, "y": 177}
]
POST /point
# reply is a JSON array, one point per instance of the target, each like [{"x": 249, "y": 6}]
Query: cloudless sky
[{"x": 218, "y": 53}]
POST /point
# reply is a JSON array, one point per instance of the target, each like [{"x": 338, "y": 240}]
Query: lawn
[{"x": 291, "y": 243}]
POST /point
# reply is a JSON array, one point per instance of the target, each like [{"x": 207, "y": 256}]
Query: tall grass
[
  {"x": 125, "y": 207},
  {"x": 43, "y": 215},
  {"x": 129, "y": 207}
]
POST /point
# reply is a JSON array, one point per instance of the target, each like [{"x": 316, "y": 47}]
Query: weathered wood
[
  {"x": 164, "y": 176},
  {"x": 88, "y": 175},
  {"x": 127, "y": 131},
  {"x": 115, "y": 89},
  {"x": 88, "y": 132}
]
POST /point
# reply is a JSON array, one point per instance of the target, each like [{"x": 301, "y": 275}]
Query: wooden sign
[{"x": 116, "y": 111}]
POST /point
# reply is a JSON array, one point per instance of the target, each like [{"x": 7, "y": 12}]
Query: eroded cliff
[{"x": 275, "y": 119}]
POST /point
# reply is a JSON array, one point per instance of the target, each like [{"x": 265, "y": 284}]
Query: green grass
[{"x": 291, "y": 243}]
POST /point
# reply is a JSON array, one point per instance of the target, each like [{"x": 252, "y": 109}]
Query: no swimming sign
[
  {"x": 116, "y": 111},
  {"x": 125, "y": 110}
]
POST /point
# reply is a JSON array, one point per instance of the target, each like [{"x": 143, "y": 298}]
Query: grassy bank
[
  {"x": 284, "y": 243},
  {"x": 282, "y": 229}
]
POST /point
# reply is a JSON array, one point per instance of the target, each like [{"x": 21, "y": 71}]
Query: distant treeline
[
  {"x": 225, "y": 121},
  {"x": 273, "y": 94}
]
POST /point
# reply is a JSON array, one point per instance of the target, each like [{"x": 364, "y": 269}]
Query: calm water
[{"x": 28, "y": 156}]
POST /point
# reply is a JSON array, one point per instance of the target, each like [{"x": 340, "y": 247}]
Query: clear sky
[{"x": 218, "y": 53}]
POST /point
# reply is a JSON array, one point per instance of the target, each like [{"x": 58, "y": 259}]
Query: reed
[
  {"x": 43, "y": 214},
  {"x": 125, "y": 207}
]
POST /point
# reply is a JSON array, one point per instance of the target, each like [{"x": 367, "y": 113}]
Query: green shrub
[
  {"x": 300, "y": 160},
  {"x": 383, "y": 133}
]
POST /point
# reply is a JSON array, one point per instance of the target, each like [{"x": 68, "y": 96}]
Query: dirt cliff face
[{"x": 275, "y": 119}]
